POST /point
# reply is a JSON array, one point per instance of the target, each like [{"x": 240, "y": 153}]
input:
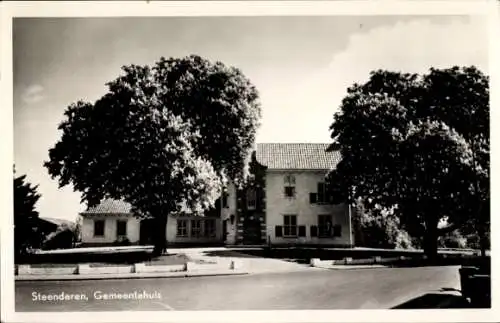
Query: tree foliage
[
  {"x": 26, "y": 233},
  {"x": 378, "y": 228},
  {"x": 163, "y": 138},
  {"x": 418, "y": 145}
]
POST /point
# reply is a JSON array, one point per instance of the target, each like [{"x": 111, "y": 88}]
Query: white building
[
  {"x": 284, "y": 203},
  {"x": 112, "y": 222},
  {"x": 293, "y": 207}
]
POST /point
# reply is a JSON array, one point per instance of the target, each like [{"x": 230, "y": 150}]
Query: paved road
[{"x": 324, "y": 289}]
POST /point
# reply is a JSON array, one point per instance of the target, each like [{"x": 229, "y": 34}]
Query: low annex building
[{"x": 284, "y": 203}]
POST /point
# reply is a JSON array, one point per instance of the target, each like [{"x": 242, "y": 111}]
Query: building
[
  {"x": 283, "y": 203},
  {"x": 287, "y": 203},
  {"x": 112, "y": 222}
]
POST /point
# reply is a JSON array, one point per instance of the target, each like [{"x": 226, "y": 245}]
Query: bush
[
  {"x": 453, "y": 239},
  {"x": 379, "y": 230},
  {"x": 404, "y": 241}
]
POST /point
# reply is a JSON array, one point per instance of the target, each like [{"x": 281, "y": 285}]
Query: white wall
[
  {"x": 278, "y": 205},
  {"x": 109, "y": 228}
]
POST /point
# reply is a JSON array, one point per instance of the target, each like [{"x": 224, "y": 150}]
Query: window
[
  {"x": 289, "y": 186},
  {"x": 324, "y": 226},
  {"x": 251, "y": 199},
  {"x": 98, "y": 228},
  {"x": 182, "y": 228},
  {"x": 209, "y": 228},
  {"x": 225, "y": 197},
  {"x": 121, "y": 228},
  {"x": 290, "y": 226},
  {"x": 322, "y": 196},
  {"x": 195, "y": 228}
]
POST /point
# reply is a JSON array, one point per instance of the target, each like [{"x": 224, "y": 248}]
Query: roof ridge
[{"x": 294, "y": 143}]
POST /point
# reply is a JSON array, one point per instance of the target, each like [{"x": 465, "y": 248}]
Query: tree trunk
[
  {"x": 482, "y": 232},
  {"x": 159, "y": 234},
  {"x": 483, "y": 239},
  {"x": 430, "y": 241}
]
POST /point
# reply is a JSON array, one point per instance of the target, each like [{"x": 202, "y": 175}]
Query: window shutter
[
  {"x": 314, "y": 230},
  {"x": 313, "y": 198},
  {"x": 302, "y": 230},
  {"x": 278, "y": 231},
  {"x": 337, "y": 230}
]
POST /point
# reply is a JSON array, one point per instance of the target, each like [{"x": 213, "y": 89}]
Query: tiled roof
[
  {"x": 110, "y": 206},
  {"x": 296, "y": 156}
]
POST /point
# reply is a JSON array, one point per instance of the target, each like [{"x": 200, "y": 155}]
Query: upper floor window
[
  {"x": 289, "y": 189},
  {"x": 225, "y": 197},
  {"x": 251, "y": 199},
  {"x": 322, "y": 195}
]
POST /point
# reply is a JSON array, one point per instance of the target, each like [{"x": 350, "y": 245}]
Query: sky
[{"x": 301, "y": 67}]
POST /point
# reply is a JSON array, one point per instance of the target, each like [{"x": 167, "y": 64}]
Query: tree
[
  {"x": 164, "y": 139},
  {"x": 26, "y": 233},
  {"x": 406, "y": 146}
]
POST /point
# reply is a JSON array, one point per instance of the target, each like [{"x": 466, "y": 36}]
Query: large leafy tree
[
  {"x": 164, "y": 138},
  {"x": 26, "y": 233},
  {"x": 407, "y": 145}
]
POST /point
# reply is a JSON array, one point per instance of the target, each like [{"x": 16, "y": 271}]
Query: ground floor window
[
  {"x": 121, "y": 228},
  {"x": 290, "y": 226},
  {"x": 182, "y": 228},
  {"x": 325, "y": 229},
  {"x": 209, "y": 228},
  {"x": 195, "y": 228},
  {"x": 98, "y": 228}
]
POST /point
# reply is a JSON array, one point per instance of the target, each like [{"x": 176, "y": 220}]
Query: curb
[
  {"x": 85, "y": 271},
  {"x": 375, "y": 262},
  {"x": 129, "y": 276},
  {"x": 352, "y": 267}
]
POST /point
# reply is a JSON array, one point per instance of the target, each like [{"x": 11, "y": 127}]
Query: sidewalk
[{"x": 253, "y": 265}]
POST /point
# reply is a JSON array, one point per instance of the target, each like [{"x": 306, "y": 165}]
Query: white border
[{"x": 227, "y": 8}]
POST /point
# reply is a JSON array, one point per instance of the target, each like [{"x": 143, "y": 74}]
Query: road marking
[{"x": 165, "y": 306}]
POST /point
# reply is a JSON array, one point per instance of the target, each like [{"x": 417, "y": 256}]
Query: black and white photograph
[{"x": 179, "y": 162}]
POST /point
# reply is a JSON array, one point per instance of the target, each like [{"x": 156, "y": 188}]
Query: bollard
[
  {"x": 189, "y": 266},
  {"x": 83, "y": 269},
  {"x": 315, "y": 262},
  {"x": 139, "y": 268},
  {"x": 235, "y": 265},
  {"x": 24, "y": 270}
]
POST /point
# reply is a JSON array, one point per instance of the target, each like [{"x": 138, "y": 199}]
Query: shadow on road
[{"x": 432, "y": 300}]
